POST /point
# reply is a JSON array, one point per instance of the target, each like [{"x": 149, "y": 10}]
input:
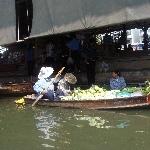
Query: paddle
[{"x": 43, "y": 92}]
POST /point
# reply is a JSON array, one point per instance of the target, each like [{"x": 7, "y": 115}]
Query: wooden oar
[{"x": 43, "y": 92}]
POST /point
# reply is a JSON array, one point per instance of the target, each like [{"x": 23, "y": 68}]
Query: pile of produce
[
  {"x": 97, "y": 93},
  {"x": 93, "y": 93},
  {"x": 146, "y": 89}
]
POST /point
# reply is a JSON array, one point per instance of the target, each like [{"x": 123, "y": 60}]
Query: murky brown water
[{"x": 62, "y": 129}]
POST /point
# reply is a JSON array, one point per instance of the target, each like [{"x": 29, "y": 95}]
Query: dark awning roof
[
  {"x": 7, "y": 22},
  {"x": 59, "y": 16}
]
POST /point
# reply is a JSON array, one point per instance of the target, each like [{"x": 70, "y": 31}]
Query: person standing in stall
[
  {"x": 90, "y": 61},
  {"x": 75, "y": 53},
  {"x": 29, "y": 59}
]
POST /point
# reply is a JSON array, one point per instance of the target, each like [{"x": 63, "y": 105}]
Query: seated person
[
  {"x": 45, "y": 83},
  {"x": 117, "y": 82},
  {"x": 63, "y": 87}
]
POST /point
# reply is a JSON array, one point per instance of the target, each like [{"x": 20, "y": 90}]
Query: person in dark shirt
[
  {"x": 130, "y": 49},
  {"x": 75, "y": 47},
  {"x": 63, "y": 85},
  {"x": 91, "y": 61},
  {"x": 29, "y": 59}
]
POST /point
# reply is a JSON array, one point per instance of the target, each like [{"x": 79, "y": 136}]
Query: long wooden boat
[
  {"x": 17, "y": 89},
  {"x": 119, "y": 103}
]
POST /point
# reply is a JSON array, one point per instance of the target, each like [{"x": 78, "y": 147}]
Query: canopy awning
[
  {"x": 7, "y": 22},
  {"x": 59, "y": 16}
]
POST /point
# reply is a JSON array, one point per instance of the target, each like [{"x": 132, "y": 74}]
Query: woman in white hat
[{"x": 45, "y": 83}]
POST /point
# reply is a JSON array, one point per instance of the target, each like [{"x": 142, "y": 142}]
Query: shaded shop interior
[{"x": 124, "y": 46}]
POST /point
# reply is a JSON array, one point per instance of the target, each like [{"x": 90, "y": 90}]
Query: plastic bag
[{"x": 70, "y": 61}]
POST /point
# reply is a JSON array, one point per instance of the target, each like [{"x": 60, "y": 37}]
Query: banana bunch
[
  {"x": 20, "y": 101},
  {"x": 98, "y": 93},
  {"x": 93, "y": 93}
]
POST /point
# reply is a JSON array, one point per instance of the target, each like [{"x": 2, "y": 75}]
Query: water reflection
[
  {"x": 123, "y": 124},
  {"x": 63, "y": 129},
  {"x": 52, "y": 132},
  {"x": 45, "y": 122},
  {"x": 99, "y": 122},
  {"x": 75, "y": 129},
  {"x": 57, "y": 127}
]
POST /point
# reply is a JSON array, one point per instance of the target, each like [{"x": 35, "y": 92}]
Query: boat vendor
[
  {"x": 45, "y": 82},
  {"x": 117, "y": 82},
  {"x": 63, "y": 87},
  {"x": 54, "y": 87}
]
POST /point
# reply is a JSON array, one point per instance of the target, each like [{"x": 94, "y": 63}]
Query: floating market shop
[{"x": 58, "y": 20}]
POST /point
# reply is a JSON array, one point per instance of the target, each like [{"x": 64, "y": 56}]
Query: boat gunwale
[{"x": 84, "y": 101}]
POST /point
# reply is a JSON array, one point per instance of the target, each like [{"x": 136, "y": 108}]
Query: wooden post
[
  {"x": 145, "y": 38},
  {"x": 125, "y": 37}
]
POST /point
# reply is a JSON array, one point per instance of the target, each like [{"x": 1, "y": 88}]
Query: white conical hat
[{"x": 45, "y": 72}]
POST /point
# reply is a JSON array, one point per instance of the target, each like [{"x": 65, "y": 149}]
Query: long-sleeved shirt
[
  {"x": 63, "y": 88},
  {"x": 117, "y": 83},
  {"x": 46, "y": 86}
]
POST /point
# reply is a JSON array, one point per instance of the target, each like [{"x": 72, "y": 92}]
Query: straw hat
[{"x": 69, "y": 77}]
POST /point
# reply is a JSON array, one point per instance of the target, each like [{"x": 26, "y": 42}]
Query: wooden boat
[
  {"x": 17, "y": 89},
  {"x": 119, "y": 103}
]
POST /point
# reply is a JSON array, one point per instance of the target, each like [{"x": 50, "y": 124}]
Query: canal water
[{"x": 44, "y": 128}]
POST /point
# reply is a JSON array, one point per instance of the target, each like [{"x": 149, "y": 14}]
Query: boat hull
[
  {"x": 122, "y": 103},
  {"x": 18, "y": 89}
]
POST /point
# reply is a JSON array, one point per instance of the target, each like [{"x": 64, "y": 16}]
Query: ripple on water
[
  {"x": 44, "y": 123},
  {"x": 99, "y": 122},
  {"x": 70, "y": 127},
  {"x": 48, "y": 146}
]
